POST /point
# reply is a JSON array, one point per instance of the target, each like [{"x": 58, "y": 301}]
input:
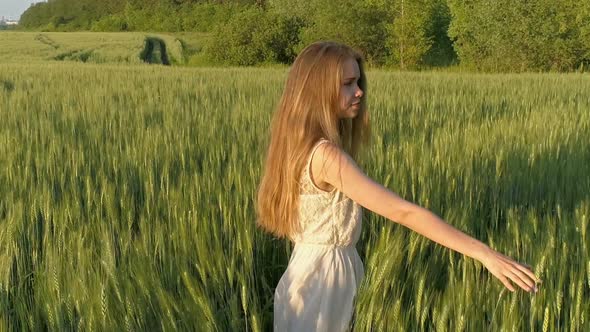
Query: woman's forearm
[{"x": 431, "y": 226}]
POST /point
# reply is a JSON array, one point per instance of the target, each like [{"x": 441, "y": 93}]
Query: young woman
[{"x": 312, "y": 192}]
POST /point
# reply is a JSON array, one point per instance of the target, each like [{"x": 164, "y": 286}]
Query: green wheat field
[{"x": 127, "y": 193}]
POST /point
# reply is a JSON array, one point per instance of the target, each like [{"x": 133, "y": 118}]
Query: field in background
[
  {"x": 128, "y": 197},
  {"x": 103, "y": 47}
]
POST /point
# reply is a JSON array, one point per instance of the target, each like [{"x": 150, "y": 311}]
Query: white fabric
[{"x": 317, "y": 291}]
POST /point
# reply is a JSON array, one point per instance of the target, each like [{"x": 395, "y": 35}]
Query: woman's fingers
[
  {"x": 506, "y": 269},
  {"x": 525, "y": 273},
  {"x": 528, "y": 270},
  {"x": 506, "y": 283},
  {"x": 522, "y": 275},
  {"x": 522, "y": 271},
  {"x": 519, "y": 279}
]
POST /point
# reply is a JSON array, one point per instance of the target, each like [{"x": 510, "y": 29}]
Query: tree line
[{"x": 500, "y": 35}]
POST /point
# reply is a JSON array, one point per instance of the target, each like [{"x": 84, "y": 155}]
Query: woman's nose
[{"x": 359, "y": 93}]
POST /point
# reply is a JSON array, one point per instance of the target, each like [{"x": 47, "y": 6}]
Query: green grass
[
  {"x": 81, "y": 46},
  {"x": 95, "y": 47},
  {"x": 128, "y": 198}
]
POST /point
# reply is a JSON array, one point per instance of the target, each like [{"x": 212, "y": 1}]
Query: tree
[
  {"x": 36, "y": 15},
  {"x": 254, "y": 36},
  {"x": 583, "y": 21},
  {"x": 356, "y": 23},
  {"x": 408, "y": 33},
  {"x": 518, "y": 35},
  {"x": 441, "y": 52}
]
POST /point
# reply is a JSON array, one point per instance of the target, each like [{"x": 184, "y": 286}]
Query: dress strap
[
  {"x": 308, "y": 166},
  {"x": 315, "y": 147}
]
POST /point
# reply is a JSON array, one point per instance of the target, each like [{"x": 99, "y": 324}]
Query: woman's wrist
[{"x": 482, "y": 252}]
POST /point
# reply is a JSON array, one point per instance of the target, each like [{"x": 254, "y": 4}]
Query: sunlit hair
[{"x": 306, "y": 112}]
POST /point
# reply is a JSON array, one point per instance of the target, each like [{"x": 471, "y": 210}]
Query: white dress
[{"x": 317, "y": 291}]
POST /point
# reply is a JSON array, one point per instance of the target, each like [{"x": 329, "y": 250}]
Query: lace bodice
[{"x": 328, "y": 218}]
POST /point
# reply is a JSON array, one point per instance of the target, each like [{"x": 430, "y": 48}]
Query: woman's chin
[{"x": 351, "y": 112}]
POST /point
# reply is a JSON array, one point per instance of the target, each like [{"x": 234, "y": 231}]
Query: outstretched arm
[{"x": 333, "y": 166}]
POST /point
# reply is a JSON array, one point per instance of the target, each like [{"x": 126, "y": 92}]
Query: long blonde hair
[{"x": 307, "y": 111}]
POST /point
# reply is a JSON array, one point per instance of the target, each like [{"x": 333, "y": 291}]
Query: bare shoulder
[
  {"x": 324, "y": 154},
  {"x": 328, "y": 163},
  {"x": 334, "y": 167}
]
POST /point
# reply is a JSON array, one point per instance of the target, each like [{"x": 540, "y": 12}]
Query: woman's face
[{"x": 350, "y": 92}]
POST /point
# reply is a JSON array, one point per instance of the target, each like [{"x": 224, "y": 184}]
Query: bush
[
  {"x": 110, "y": 23},
  {"x": 253, "y": 37},
  {"x": 351, "y": 22},
  {"x": 520, "y": 35},
  {"x": 206, "y": 16},
  {"x": 161, "y": 18}
]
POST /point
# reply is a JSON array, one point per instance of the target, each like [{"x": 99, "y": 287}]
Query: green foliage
[
  {"x": 408, "y": 39},
  {"x": 193, "y": 48},
  {"x": 299, "y": 8},
  {"x": 407, "y": 34},
  {"x": 36, "y": 15},
  {"x": 501, "y": 35},
  {"x": 441, "y": 52},
  {"x": 162, "y": 18},
  {"x": 252, "y": 37},
  {"x": 67, "y": 15},
  {"x": 582, "y": 20},
  {"x": 355, "y": 23},
  {"x": 205, "y": 17},
  {"x": 152, "y": 15},
  {"x": 110, "y": 23},
  {"x": 520, "y": 35},
  {"x": 417, "y": 34}
]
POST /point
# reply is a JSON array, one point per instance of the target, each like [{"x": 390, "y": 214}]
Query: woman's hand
[{"x": 504, "y": 268}]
